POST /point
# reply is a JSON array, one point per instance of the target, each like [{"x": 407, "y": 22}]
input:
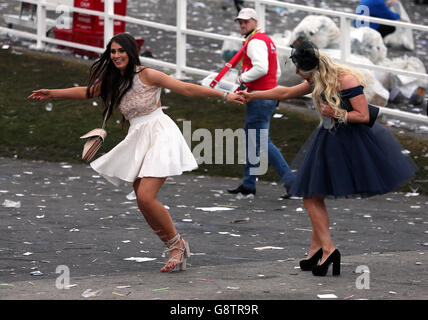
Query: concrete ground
[{"x": 67, "y": 234}]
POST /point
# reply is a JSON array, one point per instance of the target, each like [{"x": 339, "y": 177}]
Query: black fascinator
[{"x": 305, "y": 55}]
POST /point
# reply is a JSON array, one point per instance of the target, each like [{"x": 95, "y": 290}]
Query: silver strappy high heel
[{"x": 180, "y": 258}]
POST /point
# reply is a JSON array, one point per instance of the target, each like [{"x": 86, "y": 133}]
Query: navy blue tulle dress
[{"x": 350, "y": 159}]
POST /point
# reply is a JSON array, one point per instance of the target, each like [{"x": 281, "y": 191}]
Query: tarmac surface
[{"x": 67, "y": 234}]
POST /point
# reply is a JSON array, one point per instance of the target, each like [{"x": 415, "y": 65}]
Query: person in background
[
  {"x": 260, "y": 71},
  {"x": 378, "y": 9},
  {"x": 238, "y": 5},
  {"x": 154, "y": 147}
]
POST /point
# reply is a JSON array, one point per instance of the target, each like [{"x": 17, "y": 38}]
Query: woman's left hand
[{"x": 327, "y": 111}]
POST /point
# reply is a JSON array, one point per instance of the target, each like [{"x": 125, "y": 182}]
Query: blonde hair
[{"x": 326, "y": 81}]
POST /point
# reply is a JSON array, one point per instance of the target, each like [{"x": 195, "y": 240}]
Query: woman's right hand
[
  {"x": 246, "y": 95},
  {"x": 41, "y": 94}
]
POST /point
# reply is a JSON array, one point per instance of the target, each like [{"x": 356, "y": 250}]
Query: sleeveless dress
[
  {"x": 154, "y": 145},
  {"x": 350, "y": 159}
]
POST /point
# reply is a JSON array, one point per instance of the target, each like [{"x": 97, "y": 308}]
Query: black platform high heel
[
  {"x": 308, "y": 264},
  {"x": 322, "y": 269}
]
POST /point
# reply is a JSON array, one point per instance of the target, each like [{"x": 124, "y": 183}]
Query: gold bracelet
[{"x": 342, "y": 116}]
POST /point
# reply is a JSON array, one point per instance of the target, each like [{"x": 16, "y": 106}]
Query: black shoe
[
  {"x": 333, "y": 258},
  {"x": 308, "y": 264},
  {"x": 241, "y": 189},
  {"x": 285, "y": 196}
]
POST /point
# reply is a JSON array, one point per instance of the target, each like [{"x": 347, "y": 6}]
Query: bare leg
[
  {"x": 156, "y": 215},
  {"x": 315, "y": 245},
  {"x": 320, "y": 226}
]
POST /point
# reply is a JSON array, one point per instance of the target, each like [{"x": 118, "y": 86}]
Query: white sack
[
  {"x": 401, "y": 37},
  {"x": 321, "y": 30},
  {"x": 368, "y": 42}
]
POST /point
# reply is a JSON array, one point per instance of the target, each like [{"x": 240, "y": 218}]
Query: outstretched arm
[
  {"x": 156, "y": 78},
  {"x": 71, "y": 93},
  {"x": 279, "y": 93}
]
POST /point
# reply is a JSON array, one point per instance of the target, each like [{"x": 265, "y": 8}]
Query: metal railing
[{"x": 181, "y": 30}]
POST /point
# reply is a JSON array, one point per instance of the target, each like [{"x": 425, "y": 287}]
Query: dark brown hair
[{"x": 114, "y": 84}]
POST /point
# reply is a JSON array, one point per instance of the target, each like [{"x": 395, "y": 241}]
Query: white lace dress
[{"x": 154, "y": 145}]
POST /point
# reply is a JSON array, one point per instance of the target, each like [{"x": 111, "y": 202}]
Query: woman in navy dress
[{"x": 345, "y": 156}]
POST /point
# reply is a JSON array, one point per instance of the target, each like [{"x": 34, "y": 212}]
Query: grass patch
[{"x": 29, "y": 131}]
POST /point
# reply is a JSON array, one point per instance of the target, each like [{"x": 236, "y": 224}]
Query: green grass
[
  {"x": 216, "y": 114},
  {"x": 28, "y": 131}
]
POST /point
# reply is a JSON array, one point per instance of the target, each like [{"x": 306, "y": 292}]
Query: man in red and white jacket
[{"x": 260, "y": 71}]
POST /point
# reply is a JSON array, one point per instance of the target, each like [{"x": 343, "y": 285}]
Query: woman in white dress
[{"x": 154, "y": 147}]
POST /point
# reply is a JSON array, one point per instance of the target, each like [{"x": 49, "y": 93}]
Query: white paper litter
[
  {"x": 240, "y": 196},
  {"x": 49, "y": 106},
  {"x": 211, "y": 209},
  {"x": 131, "y": 196},
  {"x": 230, "y": 234},
  {"x": 268, "y": 248},
  {"x": 139, "y": 259},
  {"x": 411, "y": 194},
  {"x": 11, "y": 204},
  {"x": 88, "y": 293},
  {"x": 327, "y": 296}
]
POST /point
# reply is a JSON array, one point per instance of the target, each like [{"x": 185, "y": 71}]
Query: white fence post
[
  {"x": 181, "y": 29},
  {"x": 181, "y": 41},
  {"x": 345, "y": 41},
  {"x": 261, "y": 13},
  {"x": 108, "y": 21},
  {"x": 41, "y": 24}
]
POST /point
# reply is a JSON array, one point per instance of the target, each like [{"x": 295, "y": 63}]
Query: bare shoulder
[
  {"x": 156, "y": 78},
  {"x": 348, "y": 81},
  {"x": 150, "y": 76}
]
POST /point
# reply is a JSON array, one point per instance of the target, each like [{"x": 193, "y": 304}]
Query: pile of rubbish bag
[{"x": 367, "y": 47}]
